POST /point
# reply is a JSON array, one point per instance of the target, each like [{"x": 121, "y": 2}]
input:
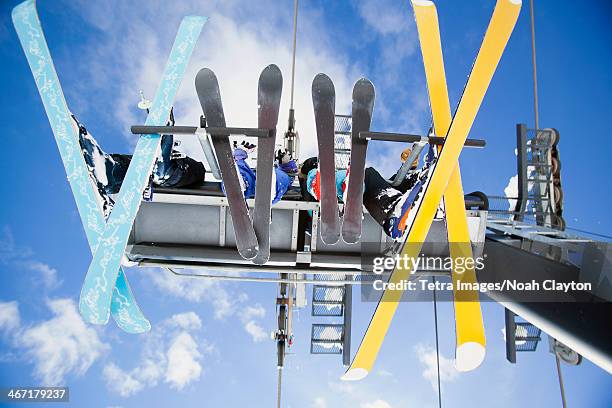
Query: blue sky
[{"x": 106, "y": 52}]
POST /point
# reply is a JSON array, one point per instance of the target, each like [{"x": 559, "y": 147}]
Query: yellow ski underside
[
  {"x": 497, "y": 35},
  {"x": 469, "y": 329}
]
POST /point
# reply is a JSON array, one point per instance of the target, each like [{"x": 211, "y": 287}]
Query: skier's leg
[
  {"x": 164, "y": 163},
  {"x": 107, "y": 169},
  {"x": 379, "y": 197},
  {"x": 181, "y": 173},
  {"x": 408, "y": 182},
  {"x": 122, "y": 162}
]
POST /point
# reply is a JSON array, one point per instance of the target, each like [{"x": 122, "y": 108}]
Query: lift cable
[
  {"x": 560, "y": 381},
  {"x": 291, "y": 137},
  {"x": 278, "y": 387},
  {"x": 295, "y": 14},
  {"x": 437, "y": 343}
]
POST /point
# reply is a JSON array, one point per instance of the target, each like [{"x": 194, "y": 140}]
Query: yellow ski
[
  {"x": 495, "y": 40},
  {"x": 469, "y": 329}
]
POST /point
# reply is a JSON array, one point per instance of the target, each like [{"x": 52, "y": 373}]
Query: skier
[
  {"x": 387, "y": 204},
  {"x": 109, "y": 170},
  {"x": 282, "y": 178}
]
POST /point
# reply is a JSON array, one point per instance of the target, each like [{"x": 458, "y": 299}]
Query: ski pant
[
  {"x": 110, "y": 169},
  {"x": 380, "y": 197},
  {"x": 181, "y": 172}
]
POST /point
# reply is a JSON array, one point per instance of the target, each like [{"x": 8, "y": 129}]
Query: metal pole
[
  {"x": 561, "y": 387},
  {"x": 278, "y": 387},
  {"x": 295, "y": 13},
  {"x": 535, "y": 73},
  {"x": 437, "y": 344}
]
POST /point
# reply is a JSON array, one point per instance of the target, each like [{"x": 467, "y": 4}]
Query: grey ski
[
  {"x": 363, "y": 104},
  {"x": 324, "y": 103},
  {"x": 268, "y": 100},
  {"x": 207, "y": 88}
]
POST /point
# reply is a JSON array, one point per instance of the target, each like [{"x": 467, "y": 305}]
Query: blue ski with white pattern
[
  {"x": 95, "y": 301},
  {"x": 124, "y": 308}
]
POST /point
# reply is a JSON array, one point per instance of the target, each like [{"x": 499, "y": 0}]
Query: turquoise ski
[
  {"x": 95, "y": 302},
  {"x": 125, "y": 310}
]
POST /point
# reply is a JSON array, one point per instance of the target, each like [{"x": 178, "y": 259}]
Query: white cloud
[
  {"x": 257, "y": 332},
  {"x": 173, "y": 353},
  {"x": 195, "y": 290},
  {"x": 383, "y": 16},
  {"x": 224, "y": 302},
  {"x": 22, "y": 257},
  {"x": 48, "y": 274},
  {"x": 62, "y": 345},
  {"x": 120, "y": 382},
  {"x": 319, "y": 402},
  {"x": 384, "y": 373},
  {"x": 9, "y": 316},
  {"x": 183, "y": 361},
  {"x": 376, "y": 404},
  {"x": 248, "y": 316},
  {"x": 187, "y": 321},
  {"x": 254, "y": 311},
  {"x": 392, "y": 20},
  {"x": 234, "y": 47},
  {"x": 341, "y": 387},
  {"x": 427, "y": 357}
]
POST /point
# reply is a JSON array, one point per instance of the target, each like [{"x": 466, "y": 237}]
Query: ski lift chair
[{"x": 192, "y": 228}]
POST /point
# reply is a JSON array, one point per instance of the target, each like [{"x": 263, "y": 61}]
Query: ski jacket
[
  {"x": 281, "y": 180},
  {"x": 313, "y": 183},
  {"x": 248, "y": 178}
]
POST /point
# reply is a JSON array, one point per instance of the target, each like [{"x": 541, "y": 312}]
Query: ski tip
[
  {"x": 249, "y": 253},
  {"x": 194, "y": 19},
  {"x": 469, "y": 356},
  {"x": 91, "y": 317},
  {"x": 350, "y": 237},
  {"x": 140, "y": 328},
  {"x": 271, "y": 78},
  {"x": 321, "y": 77},
  {"x": 261, "y": 259},
  {"x": 205, "y": 74},
  {"x": 363, "y": 85},
  {"x": 330, "y": 238},
  {"x": 422, "y": 3},
  {"x": 21, "y": 6},
  {"x": 271, "y": 69},
  {"x": 320, "y": 80},
  {"x": 355, "y": 374}
]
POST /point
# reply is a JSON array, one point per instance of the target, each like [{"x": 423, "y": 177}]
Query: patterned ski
[
  {"x": 95, "y": 299},
  {"x": 207, "y": 88},
  {"x": 124, "y": 308},
  {"x": 268, "y": 99},
  {"x": 324, "y": 102},
  {"x": 495, "y": 40},
  {"x": 469, "y": 328},
  {"x": 363, "y": 104}
]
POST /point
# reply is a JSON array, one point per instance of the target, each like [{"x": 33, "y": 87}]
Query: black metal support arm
[
  {"x": 190, "y": 130},
  {"x": 404, "y": 137}
]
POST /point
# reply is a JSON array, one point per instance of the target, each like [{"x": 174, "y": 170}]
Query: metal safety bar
[
  {"x": 405, "y": 137},
  {"x": 417, "y": 148},
  {"x": 192, "y": 130}
]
